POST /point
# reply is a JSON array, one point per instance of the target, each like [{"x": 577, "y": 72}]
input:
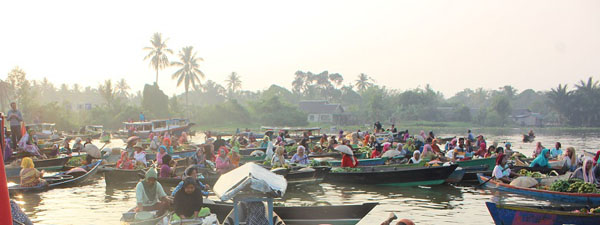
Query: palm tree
[
  {"x": 299, "y": 81},
  {"x": 107, "y": 92},
  {"x": 362, "y": 83},
  {"x": 189, "y": 72},
  {"x": 560, "y": 99},
  {"x": 158, "y": 53},
  {"x": 122, "y": 88},
  {"x": 233, "y": 83}
]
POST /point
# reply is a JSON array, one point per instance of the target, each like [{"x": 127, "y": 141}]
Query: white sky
[{"x": 401, "y": 44}]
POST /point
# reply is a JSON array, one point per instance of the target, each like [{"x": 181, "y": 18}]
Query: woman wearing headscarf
[
  {"x": 162, "y": 151},
  {"x": 188, "y": 202},
  {"x": 191, "y": 172},
  {"x": 349, "y": 160},
  {"x": 416, "y": 158},
  {"x": 278, "y": 159},
  {"x": 166, "y": 170},
  {"x": 427, "y": 149},
  {"x": 183, "y": 139},
  {"x": 323, "y": 142},
  {"x": 541, "y": 160},
  {"x": 124, "y": 162},
  {"x": 300, "y": 157},
  {"x": 570, "y": 159},
  {"x": 375, "y": 153},
  {"x": 596, "y": 159},
  {"x": 386, "y": 147},
  {"x": 501, "y": 170},
  {"x": 150, "y": 195},
  {"x": 30, "y": 176},
  {"x": 435, "y": 147},
  {"x": 199, "y": 159},
  {"x": 223, "y": 163},
  {"x": 538, "y": 149},
  {"x": 585, "y": 172},
  {"x": 234, "y": 156},
  {"x": 77, "y": 146},
  {"x": 139, "y": 155}
]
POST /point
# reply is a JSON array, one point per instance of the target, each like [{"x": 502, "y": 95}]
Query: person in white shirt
[
  {"x": 501, "y": 170},
  {"x": 139, "y": 155}
]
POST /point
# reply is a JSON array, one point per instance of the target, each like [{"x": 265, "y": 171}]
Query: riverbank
[{"x": 417, "y": 126}]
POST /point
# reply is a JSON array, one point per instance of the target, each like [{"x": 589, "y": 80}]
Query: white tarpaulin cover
[{"x": 249, "y": 175}]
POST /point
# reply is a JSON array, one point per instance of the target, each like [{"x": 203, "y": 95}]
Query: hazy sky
[{"x": 451, "y": 45}]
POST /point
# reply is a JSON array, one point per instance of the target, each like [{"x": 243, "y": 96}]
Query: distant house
[
  {"x": 524, "y": 117},
  {"x": 320, "y": 111}
]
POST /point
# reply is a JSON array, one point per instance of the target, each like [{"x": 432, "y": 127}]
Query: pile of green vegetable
[
  {"x": 319, "y": 163},
  {"x": 524, "y": 172},
  {"x": 573, "y": 186}
]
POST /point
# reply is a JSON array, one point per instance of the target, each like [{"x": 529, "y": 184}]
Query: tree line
[{"x": 210, "y": 103}]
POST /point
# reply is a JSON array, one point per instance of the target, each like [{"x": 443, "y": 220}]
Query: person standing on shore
[{"x": 15, "y": 118}]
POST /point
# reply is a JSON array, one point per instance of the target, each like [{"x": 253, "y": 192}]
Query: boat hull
[
  {"x": 59, "y": 184},
  {"x": 579, "y": 198},
  {"x": 528, "y": 215},
  {"x": 339, "y": 214},
  {"x": 396, "y": 176},
  {"x": 117, "y": 177},
  {"x": 361, "y": 162}
]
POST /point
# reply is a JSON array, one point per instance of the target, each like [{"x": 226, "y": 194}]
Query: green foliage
[
  {"x": 273, "y": 112},
  {"x": 462, "y": 113},
  {"x": 154, "y": 102},
  {"x": 229, "y": 112}
]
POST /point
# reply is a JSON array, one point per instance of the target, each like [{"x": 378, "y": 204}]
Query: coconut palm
[
  {"x": 560, "y": 98},
  {"x": 189, "y": 71},
  {"x": 362, "y": 83},
  {"x": 233, "y": 83},
  {"x": 122, "y": 88},
  {"x": 158, "y": 53}
]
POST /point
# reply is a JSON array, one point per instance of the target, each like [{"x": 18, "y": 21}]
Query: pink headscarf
[
  {"x": 386, "y": 146},
  {"x": 423, "y": 135}
]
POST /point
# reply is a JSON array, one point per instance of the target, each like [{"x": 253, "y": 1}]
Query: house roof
[{"x": 320, "y": 106}]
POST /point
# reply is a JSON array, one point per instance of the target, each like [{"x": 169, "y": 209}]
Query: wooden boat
[
  {"x": 396, "y": 176},
  {"x": 516, "y": 214},
  {"x": 114, "y": 177},
  {"x": 335, "y": 155},
  {"x": 361, "y": 162},
  {"x": 143, "y": 129},
  {"x": 474, "y": 166},
  {"x": 337, "y": 214},
  {"x": 230, "y": 219},
  {"x": 181, "y": 154},
  {"x": 128, "y": 218},
  {"x": 55, "y": 164},
  {"x": 89, "y": 131},
  {"x": 248, "y": 151},
  {"x": 295, "y": 133},
  {"x": 58, "y": 181},
  {"x": 43, "y": 131},
  {"x": 527, "y": 138},
  {"x": 456, "y": 176},
  {"x": 543, "y": 170},
  {"x": 307, "y": 175},
  {"x": 579, "y": 198}
]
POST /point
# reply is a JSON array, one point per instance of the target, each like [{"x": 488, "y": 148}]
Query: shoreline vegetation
[
  {"x": 413, "y": 127},
  {"x": 357, "y": 99}
]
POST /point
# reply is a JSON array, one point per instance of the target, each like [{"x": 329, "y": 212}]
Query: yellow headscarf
[{"x": 27, "y": 163}]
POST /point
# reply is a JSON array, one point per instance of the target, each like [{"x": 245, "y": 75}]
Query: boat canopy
[
  {"x": 291, "y": 128},
  {"x": 40, "y": 126},
  {"x": 250, "y": 177}
]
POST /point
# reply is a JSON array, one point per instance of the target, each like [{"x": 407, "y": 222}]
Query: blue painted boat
[
  {"x": 513, "y": 214},
  {"x": 578, "y": 198}
]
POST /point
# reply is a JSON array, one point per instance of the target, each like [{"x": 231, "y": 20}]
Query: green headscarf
[
  {"x": 148, "y": 188},
  {"x": 541, "y": 159}
]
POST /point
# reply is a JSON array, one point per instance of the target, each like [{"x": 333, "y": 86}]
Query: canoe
[
  {"x": 474, "y": 166},
  {"x": 128, "y": 218},
  {"x": 395, "y": 176},
  {"x": 58, "y": 181},
  {"x": 527, "y": 138},
  {"x": 307, "y": 176},
  {"x": 456, "y": 176},
  {"x": 113, "y": 176},
  {"x": 578, "y": 198},
  {"x": 45, "y": 164},
  {"x": 335, "y": 214},
  {"x": 229, "y": 220},
  {"x": 361, "y": 162},
  {"x": 181, "y": 154},
  {"x": 248, "y": 151},
  {"x": 516, "y": 214},
  {"x": 335, "y": 155}
]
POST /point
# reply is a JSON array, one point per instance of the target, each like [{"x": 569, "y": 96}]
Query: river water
[{"x": 441, "y": 204}]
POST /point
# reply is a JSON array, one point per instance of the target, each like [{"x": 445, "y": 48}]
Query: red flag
[{"x": 5, "y": 214}]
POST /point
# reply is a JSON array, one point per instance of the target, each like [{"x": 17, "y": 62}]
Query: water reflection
[{"x": 442, "y": 204}]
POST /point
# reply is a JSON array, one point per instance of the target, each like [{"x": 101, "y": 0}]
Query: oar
[{"x": 478, "y": 186}]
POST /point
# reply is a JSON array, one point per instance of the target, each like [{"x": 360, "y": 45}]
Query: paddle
[{"x": 478, "y": 186}]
